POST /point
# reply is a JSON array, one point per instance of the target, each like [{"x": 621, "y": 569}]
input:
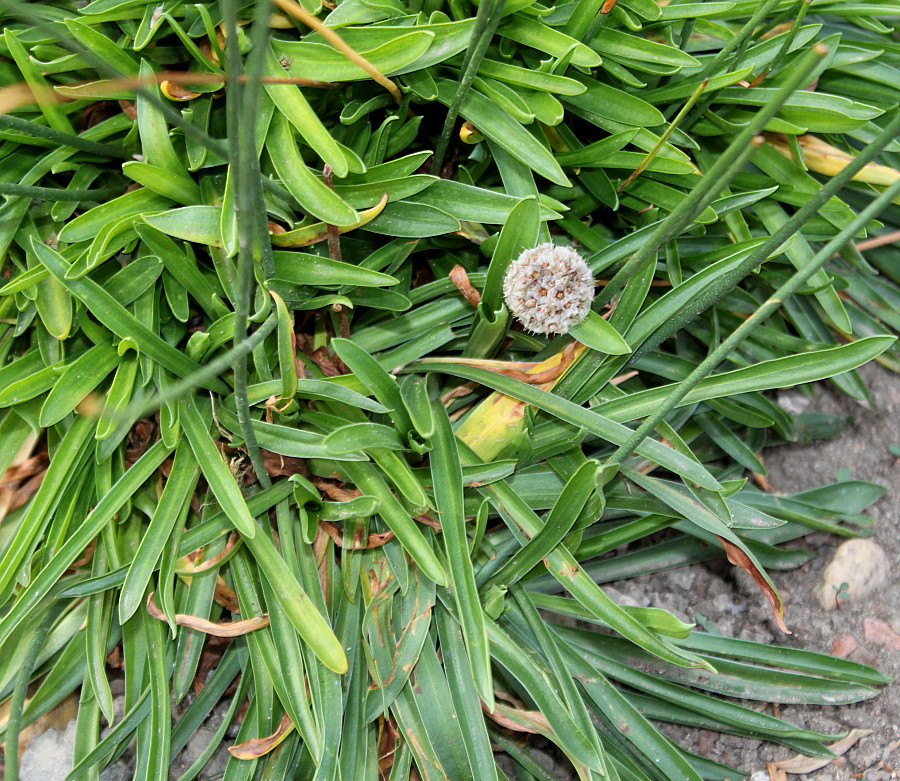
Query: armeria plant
[{"x": 270, "y": 437}]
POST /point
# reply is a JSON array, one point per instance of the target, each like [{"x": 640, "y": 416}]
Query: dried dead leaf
[
  {"x": 334, "y": 491},
  {"x": 740, "y": 559},
  {"x": 775, "y": 774},
  {"x": 460, "y": 278},
  {"x": 225, "y": 596},
  {"x": 801, "y": 764},
  {"x": 23, "y": 468},
  {"x": 278, "y": 465},
  {"x": 375, "y": 539},
  {"x": 226, "y": 629},
  {"x": 24, "y": 492},
  {"x": 259, "y": 747},
  {"x": 518, "y": 720},
  {"x": 187, "y": 564},
  {"x": 176, "y": 91}
]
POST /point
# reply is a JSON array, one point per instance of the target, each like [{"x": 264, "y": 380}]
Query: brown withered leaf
[
  {"x": 427, "y": 520},
  {"x": 24, "y": 492},
  {"x": 210, "y": 657},
  {"x": 335, "y": 491},
  {"x": 518, "y": 720},
  {"x": 740, "y": 559},
  {"x": 387, "y": 745},
  {"x": 177, "y": 91},
  {"x": 22, "y": 469},
  {"x": 801, "y": 764},
  {"x": 138, "y": 440},
  {"x": 460, "y": 279},
  {"x": 225, "y": 596},
  {"x": 278, "y": 465},
  {"x": 226, "y": 629},
  {"x": 374, "y": 540},
  {"x": 85, "y": 557},
  {"x": 331, "y": 365},
  {"x": 188, "y": 564},
  {"x": 259, "y": 747}
]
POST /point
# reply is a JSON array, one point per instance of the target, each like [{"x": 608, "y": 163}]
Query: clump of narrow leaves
[{"x": 270, "y": 438}]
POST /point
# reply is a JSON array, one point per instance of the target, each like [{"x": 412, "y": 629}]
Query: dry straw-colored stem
[
  {"x": 19, "y": 95},
  {"x": 314, "y": 23}
]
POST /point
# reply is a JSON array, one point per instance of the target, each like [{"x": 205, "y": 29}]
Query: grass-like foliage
[{"x": 269, "y": 436}]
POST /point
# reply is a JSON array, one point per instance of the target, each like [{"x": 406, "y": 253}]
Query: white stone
[
  {"x": 861, "y": 564},
  {"x": 794, "y": 402},
  {"x": 628, "y": 600},
  {"x": 49, "y": 756}
]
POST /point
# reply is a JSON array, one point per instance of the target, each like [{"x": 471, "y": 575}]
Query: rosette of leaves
[{"x": 269, "y": 439}]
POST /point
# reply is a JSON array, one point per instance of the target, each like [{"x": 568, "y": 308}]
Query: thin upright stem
[
  {"x": 727, "y": 282},
  {"x": 97, "y": 195},
  {"x": 718, "y": 177},
  {"x": 740, "y": 37},
  {"x": 486, "y": 21},
  {"x": 65, "y": 139},
  {"x": 734, "y": 340},
  {"x": 20, "y": 690},
  {"x": 245, "y": 281}
]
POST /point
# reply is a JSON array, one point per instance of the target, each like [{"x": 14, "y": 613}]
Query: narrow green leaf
[
  {"x": 214, "y": 468},
  {"x": 77, "y": 380},
  {"x": 178, "y": 489},
  {"x": 115, "y": 317},
  {"x": 447, "y": 480}
]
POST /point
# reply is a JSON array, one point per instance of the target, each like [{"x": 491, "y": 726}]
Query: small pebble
[
  {"x": 880, "y": 633},
  {"x": 793, "y": 401},
  {"x": 861, "y": 564},
  {"x": 843, "y": 646},
  {"x": 635, "y": 599}
]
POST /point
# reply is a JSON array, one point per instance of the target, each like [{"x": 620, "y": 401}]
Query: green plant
[{"x": 254, "y": 360}]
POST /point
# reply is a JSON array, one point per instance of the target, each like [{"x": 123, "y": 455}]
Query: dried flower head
[{"x": 549, "y": 289}]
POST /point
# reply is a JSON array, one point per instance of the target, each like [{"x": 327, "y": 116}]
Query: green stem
[
  {"x": 695, "y": 96},
  {"x": 238, "y": 125},
  {"x": 721, "y": 173},
  {"x": 252, "y": 202},
  {"x": 58, "y": 194},
  {"x": 738, "y": 40},
  {"x": 733, "y": 341},
  {"x": 65, "y": 139},
  {"x": 684, "y": 35},
  {"x": 486, "y": 21},
  {"x": 20, "y": 690},
  {"x": 786, "y": 46},
  {"x": 199, "y": 378},
  {"x": 727, "y": 282}
]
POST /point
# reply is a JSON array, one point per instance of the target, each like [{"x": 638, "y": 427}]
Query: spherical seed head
[{"x": 549, "y": 289}]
